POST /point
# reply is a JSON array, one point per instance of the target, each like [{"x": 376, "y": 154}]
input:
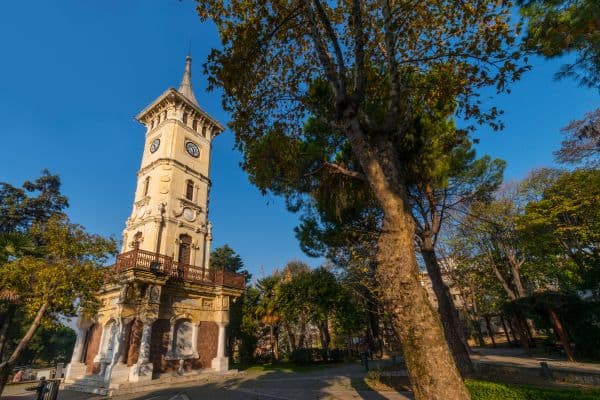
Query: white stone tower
[
  {"x": 170, "y": 211},
  {"x": 162, "y": 308}
]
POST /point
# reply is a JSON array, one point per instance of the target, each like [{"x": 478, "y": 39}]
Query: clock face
[
  {"x": 192, "y": 149},
  {"x": 154, "y": 145},
  {"x": 188, "y": 214}
]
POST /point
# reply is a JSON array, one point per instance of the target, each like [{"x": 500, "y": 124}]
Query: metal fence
[{"x": 46, "y": 389}]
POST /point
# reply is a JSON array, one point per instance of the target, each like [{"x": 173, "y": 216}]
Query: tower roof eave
[{"x": 174, "y": 93}]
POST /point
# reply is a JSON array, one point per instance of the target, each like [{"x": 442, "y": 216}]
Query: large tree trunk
[
  {"x": 428, "y": 358},
  {"x": 291, "y": 337},
  {"x": 448, "y": 312},
  {"x": 7, "y": 366},
  {"x": 275, "y": 339},
  {"x": 519, "y": 324},
  {"x": 561, "y": 334},
  {"x": 489, "y": 330},
  {"x": 6, "y": 321},
  {"x": 431, "y": 368},
  {"x": 505, "y": 331},
  {"x": 302, "y": 334}
]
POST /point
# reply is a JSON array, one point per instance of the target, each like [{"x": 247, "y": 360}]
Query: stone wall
[
  {"x": 208, "y": 334},
  {"x": 159, "y": 344},
  {"x": 135, "y": 338}
]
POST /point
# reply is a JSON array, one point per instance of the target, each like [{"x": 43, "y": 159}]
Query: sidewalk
[{"x": 520, "y": 358}]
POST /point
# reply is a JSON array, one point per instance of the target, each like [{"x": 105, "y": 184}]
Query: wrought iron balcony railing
[{"x": 142, "y": 260}]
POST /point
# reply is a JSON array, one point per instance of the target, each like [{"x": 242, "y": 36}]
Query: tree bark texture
[
  {"x": 431, "y": 368},
  {"x": 489, "y": 330},
  {"x": 506, "y": 331},
  {"x": 448, "y": 313},
  {"x": 561, "y": 334},
  {"x": 7, "y": 366},
  {"x": 8, "y": 316},
  {"x": 518, "y": 323}
]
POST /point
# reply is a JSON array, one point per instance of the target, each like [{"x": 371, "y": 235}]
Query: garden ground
[{"x": 341, "y": 381}]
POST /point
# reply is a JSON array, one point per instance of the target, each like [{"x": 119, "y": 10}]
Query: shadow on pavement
[{"x": 343, "y": 382}]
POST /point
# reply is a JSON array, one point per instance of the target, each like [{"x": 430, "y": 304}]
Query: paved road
[{"x": 342, "y": 382}]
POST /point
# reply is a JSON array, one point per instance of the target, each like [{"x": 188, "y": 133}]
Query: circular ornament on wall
[
  {"x": 155, "y": 145},
  {"x": 188, "y": 214},
  {"x": 192, "y": 149}
]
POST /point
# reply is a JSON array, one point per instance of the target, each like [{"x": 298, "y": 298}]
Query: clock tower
[
  {"x": 170, "y": 209},
  {"x": 163, "y": 311}
]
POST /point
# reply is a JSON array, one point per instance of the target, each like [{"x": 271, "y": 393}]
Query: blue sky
[{"x": 74, "y": 73}]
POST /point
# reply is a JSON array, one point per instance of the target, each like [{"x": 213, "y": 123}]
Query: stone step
[
  {"x": 170, "y": 380},
  {"x": 87, "y": 388}
]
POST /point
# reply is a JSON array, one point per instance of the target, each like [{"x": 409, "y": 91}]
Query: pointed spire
[{"x": 185, "y": 88}]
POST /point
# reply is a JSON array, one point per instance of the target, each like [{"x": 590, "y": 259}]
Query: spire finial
[{"x": 185, "y": 88}]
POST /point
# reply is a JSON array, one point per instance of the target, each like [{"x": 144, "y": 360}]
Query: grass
[
  {"x": 484, "y": 390},
  {"x": 287, "y": 367}
]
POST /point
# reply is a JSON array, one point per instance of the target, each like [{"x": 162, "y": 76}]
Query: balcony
[{"x": 141, "y": 260}]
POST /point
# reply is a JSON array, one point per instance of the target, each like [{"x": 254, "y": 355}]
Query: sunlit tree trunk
[
  {"x": 489, "y": 329},
  {"x": 430, "y": 365},
  {"x": 7, "y": 366},
  {"x": 561, "y": 334},
  {"x": 6, "y": 321},
  {"x": 447, "y": 310}
]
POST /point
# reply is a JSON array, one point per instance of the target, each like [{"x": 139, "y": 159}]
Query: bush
[
  {"x": 337, "y": 355},
  {"x": 301, "y": 356},
  {"x": 481, "y": 390}
]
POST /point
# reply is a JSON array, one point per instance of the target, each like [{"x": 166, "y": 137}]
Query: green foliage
[
  {"x": 49, "y": 345},
  {"x": 225, "y": 258},
  {"x": 482, "y": 390},
  {"x": 559, "y": 27},
  {"x": 565, "y": 227},
  {"x": 35, "y": 202},
  {"x": 15, "y": 244},
  {"x": 67, "y": 270},
  {"x": 42, "y": 284},
  {"x": 244, "y": 328}
]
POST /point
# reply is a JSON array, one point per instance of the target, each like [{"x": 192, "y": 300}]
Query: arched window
[
  {"x": 184, "y": 118},
  {"x": 185, "y": 249},
  {"x": 195, "y": 125},
  {"x": 189, "y": 190},
  {"x": 146, "y": 185},
  {"x": 204, "y": 131},
  {"x": 164, "y": 115},
  {"x": 109, "y": 338},
  {"x": 183, "y": 334}
]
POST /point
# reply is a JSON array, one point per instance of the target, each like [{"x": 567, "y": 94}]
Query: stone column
[
  {"x": 116, "y": 371},
  {"x": 207, "y": 241},
  {"x": 142, "y": 370},
  {"x": 195, "y": 339},
  {"x": 221, "y": 340},
  {"x": 76, "y": 368},
  {"x": 79, "y": 342},
  {"x": 170, "y": 350},
  {"x": 221, "y": 363}
]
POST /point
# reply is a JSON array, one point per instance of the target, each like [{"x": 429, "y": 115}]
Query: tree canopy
[
  {"x": 559, "y": 27},
  {"x": 368, "y": 71}
]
